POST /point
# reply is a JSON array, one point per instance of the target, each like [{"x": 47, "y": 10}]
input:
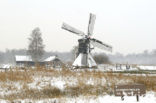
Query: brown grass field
[{"x": 102, "y": 83}]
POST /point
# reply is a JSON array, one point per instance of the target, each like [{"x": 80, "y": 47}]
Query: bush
[{"x": 101, "y": 59}]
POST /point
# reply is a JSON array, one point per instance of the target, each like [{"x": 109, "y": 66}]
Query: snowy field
[
  {"x": 123, "y": 67},
  {"x": 40, "y": 85},
  {"x": 149, "y": 98}
]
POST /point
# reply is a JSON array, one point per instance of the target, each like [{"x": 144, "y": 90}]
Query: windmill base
[
  {"x": 84, "y": 61},
  {"x": 83, "y": 67}
]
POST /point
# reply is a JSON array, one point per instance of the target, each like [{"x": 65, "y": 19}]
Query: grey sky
[{"x": 128, "y": 25}]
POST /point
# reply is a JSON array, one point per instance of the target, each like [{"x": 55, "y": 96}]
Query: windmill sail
[
  {"x": 91, "y": 24},
  {"x": 100, "y": 45},
  {"x": 72, "y": 29}
]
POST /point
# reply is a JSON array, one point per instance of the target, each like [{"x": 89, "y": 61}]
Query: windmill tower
[{"x": 84, "y": 58}]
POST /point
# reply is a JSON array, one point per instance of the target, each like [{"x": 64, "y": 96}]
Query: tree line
[{"x": 145, "y": 57}]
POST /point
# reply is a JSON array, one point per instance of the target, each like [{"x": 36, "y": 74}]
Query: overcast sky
[{"x": 128, "y": 25}]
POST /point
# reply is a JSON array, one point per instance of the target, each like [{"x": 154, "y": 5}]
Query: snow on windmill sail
[{"x": 84, "y": 58}]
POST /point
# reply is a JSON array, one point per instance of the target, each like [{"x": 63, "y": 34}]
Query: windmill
[{"x": 84, "y": 58}]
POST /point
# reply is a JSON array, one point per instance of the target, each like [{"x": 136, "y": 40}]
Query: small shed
[
  {"x": 53, "y": 61},
  {"x": 24, "y": 60}
]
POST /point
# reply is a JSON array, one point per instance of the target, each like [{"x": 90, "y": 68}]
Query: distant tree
[
  {"x": 154, "y": 52},
  {"x": 36, "y": 46},
  {"x": 9, "y": 56},
  {"x": 101, "y": 59},
  {"x": 74, "y": 52},
  {"x": 1, "y": 57}
]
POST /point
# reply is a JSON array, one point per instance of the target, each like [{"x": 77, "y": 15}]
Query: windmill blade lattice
[
  {"x": 91, "y": 24},
  {"x": 72, "y": 29},
  {"x": 101, "y": 45}
]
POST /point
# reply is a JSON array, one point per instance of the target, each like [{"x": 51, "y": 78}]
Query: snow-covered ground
[
  {"x": 63, "y": 79},
  {"x": 5, "y": 66},
  {"x": 147, "y": 67},
  {"x": 107, "y": 67},
  {"x": 149, "y": 98}
]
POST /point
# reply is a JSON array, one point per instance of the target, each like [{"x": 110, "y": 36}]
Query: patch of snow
[
  {"x": 41, "y": 82},
  {"x": 59, "y": 84},
  {"x": 149, "y": 98},
  {"x": 147, "y": 67},
  {"x": 6, "y": 66}
]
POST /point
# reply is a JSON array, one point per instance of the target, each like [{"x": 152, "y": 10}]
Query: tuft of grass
[
  {"x": 148, "y": 81},
  {"x": 15, "y": 75},
  {"x": 35, "y": 94},
  {"x": 53, "y": 92},
  {"x": 84, "y": 90}
]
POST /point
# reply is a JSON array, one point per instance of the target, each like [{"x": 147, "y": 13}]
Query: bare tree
[
  {"x": 101, "y": 59},
  {"x": 36, "y": 46},
  {"x": 74, "y": 52}
]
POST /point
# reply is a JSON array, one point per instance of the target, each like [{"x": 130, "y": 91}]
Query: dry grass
[
  {"x": 103, "y": 83},
  {"x": 53, "y": 92},
  {"x": 148, "y": 81},
  {"x": 110, "y": 77},
  {"x": 15, "y": 75}
]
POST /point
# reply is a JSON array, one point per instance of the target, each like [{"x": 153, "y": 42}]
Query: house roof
[
  {"x": 23, "y": 58},
  {"x": 28, "y": 58},
  {"x": 51, "y": 58}
]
